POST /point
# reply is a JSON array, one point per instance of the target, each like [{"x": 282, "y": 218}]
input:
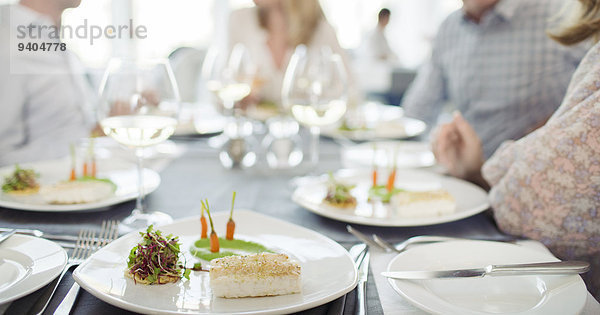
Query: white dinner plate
[
  {"x": 383, "y": 122},
  {"x": 488, "y": 295},
  {"x": 328, "y": 271},
  {"x": 28, "y": 263},
  {"x": 199, "y": 119},
  {"x": 470, "y": 199},
  {"x": 409, "y": 154},
  {"x": 51, "y": 172}
]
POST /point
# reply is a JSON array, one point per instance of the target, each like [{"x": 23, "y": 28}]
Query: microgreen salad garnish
[
  {"x": 156, "y": 259},
  {"x": 20, "y": 180}
]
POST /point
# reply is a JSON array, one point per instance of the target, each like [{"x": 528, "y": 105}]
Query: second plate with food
[
  {"x": 468, "y": 199},
  {"x": 374, "y": 121},
  {"x": 408, "y": 154},
  {"x": 121, "y": 174},
  {"x": 327, "y": 270}
]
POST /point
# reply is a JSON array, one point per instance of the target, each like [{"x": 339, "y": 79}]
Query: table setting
[{"x": 301, "y": 197}]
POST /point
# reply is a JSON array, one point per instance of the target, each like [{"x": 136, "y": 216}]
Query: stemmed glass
[
  {"x": 230, "y": 77},
  {"x": 139, "y": 106},
  {"x": 315, "y": 90}
]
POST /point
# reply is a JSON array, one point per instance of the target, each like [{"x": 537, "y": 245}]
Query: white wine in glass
[
  {"x": 139, "y": 107},
  {"x": 229, "y": 75},
  {"x": 315, "y": 91}
]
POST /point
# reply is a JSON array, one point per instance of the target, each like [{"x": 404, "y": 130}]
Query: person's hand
[{"x": 457, "y": 147}]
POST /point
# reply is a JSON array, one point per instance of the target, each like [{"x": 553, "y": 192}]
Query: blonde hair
[
  {"x": 303, "y": 18},
  {"x": 585, "y": 23}
]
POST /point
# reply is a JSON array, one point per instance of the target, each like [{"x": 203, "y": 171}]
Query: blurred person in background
[
  {"x": 375, "y": 45},
  {"x": 493, "y": 62},
  {"x": 43, "y": 94},
  {"x": 546, "y": 185},
  {"x": 271, "y": 30}
]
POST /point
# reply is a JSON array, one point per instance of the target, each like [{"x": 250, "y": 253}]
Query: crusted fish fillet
[
  {"x": 263, "y": 274},
  {"x": 74, "y": 192},
  {"x": 412, "y": 204}
]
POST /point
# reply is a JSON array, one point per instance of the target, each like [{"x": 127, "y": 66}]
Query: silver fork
[
  {"x": 76, "y": 257},
  {"x": 108, "y": 233},
  {"x": 378, "y": 242},
  {"x": 428, "y": 239},
  {"x": 400, "y": 247}
]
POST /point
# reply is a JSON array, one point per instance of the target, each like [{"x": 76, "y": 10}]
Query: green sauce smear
[
  {"x": 201, "y": 248},
  {"x": 380, "y": 192}
]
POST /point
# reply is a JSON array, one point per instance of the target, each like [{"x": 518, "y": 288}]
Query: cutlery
[
  {"x": 360, "y": 252},
  {"x": 427, "y": 239},
  {"x": 378, "y": 242},
  {"x": 84, "y": 247},
  {"x": 108, "y": 233},
  {"x": 365, "y": 239},
  {"x": 38, "y": 233},
  {"x": 6, "y": 235},
  {"x": 65, "y": 241},
  {"x": 545, "y": 268}
]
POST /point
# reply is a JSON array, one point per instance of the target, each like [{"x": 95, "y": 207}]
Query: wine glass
[
  {"x": 315, "y": 90},
  {"x": 139, "y": 106},
  {"x": 230, "y": 77}
]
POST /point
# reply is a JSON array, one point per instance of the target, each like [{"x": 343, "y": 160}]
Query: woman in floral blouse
[{"x": 546, "y": 186}]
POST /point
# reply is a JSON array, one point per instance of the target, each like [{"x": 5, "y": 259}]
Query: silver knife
[
  {"x": 4, "y": 236},
  {"x": 546, "y": 268},
  {"x": 38, "y": 233},
  {"x": 361, "y": 293}
]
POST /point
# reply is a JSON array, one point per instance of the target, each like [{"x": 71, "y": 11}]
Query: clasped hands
[{"x": 458, "y": 148}]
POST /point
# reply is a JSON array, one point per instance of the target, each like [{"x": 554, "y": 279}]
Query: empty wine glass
[
  {"x": 139, "y": 108},
  {"x": 315, "y": 90}
]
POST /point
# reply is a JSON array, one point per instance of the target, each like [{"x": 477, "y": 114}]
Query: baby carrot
[
  {"x": 85, "y": 169},
  {"x": 374, "y": 177},
  {"x": 73, "y": 175},
  {"x": 92, "y": 159},
  {"x": 203, "y": 223},
  {"x": 214, "y": 239},
  {"x": 374, "y": 173},
  {"x": 230, "y": 223},
  {"x": 391, "y": 179},
  {"x": 392, "y": 176}
]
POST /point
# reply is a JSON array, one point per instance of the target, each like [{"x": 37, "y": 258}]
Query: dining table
[{"x": 197, "y": 174}]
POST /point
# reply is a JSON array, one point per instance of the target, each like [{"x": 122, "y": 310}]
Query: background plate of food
[
  {"x": 412, "y": 198},
  {"x": 199, "y": 120},
  {"x": 373, "y": 121},
  {"x": 326, "y": 270},
  {"x": 50, "y": 186},
  {"x": 408, "y": 154}
]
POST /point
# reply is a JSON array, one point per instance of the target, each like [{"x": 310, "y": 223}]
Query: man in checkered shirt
[{"x": 493, "y": 61}]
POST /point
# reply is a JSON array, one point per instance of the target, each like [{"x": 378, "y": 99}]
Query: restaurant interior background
[
  {"x": 200, "y": 24},
  {"x": 182, "y": 171}
]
